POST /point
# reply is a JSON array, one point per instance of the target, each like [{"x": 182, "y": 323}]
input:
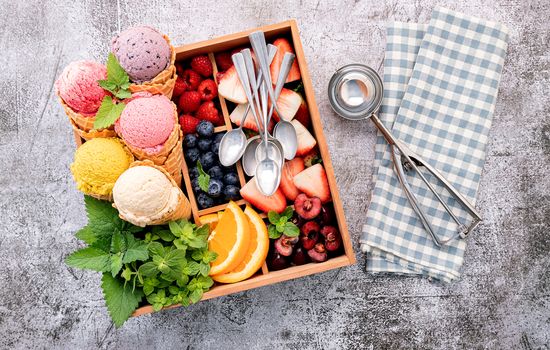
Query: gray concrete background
[{"x": 501, "y": 302}]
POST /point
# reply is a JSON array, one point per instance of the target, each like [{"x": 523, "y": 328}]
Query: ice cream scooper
[{"x": 355, "y": 93}]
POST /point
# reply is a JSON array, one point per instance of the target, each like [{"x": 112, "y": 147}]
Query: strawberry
[
  {"x": 207, "y": 111},
  {"x": 290, "y": 169},
  {"x": 179, "y": 87},
  {"x": 189, "y": 101},
  {"x": 229, "y": 86},
  {"x": 302, "y": 115},
  {"x": 192, "y": 79},
  {"x": 223, "y": 61},
  {"x": 312, "y": 158},
  {"x": 306, "y": 142},
  {"x": 313, "y": 182},
  {"x": 283, "y": 46},
  {"x": 237, "y": 115},
  {"x": 188, "y": 124},
  {"x": 208, "y": 90},
  {"x": 252, "y": 194},
  {"x": 202, "y": 65},
  {"x": 288, "y": 103}
]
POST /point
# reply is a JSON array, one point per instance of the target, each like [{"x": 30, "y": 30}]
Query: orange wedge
[
  {"x": 210, "y": 220},
  {"x": 230, "y": 240},
  {"x": 256, "y": 254}
]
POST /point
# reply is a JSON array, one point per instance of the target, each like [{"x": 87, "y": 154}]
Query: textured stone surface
[{"x": 502, "y": 300}]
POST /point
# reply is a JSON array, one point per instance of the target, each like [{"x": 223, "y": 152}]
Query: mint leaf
[
  {"x": 273, "y": 217},
  {"x": 118, "y": 242},
  {"x": 116, "y": 263},
  {"x": 148, "y": 269},
  {"x": 156, "y": 249},
  {"x": 288, "y": 212},
  {"x": 182, "y": 280},
  {"x": 121, "y": 301},
  {"x": 126, "y": 274},
  {"x": 136, "y": 250},
  {"x": 273, "y": 233},
  {"x": 107, "y": 113},
  {"x": 204, "y": 269},
  {"x": 107, "y": 85},
  {"x": 196, "y": 296},
  {"x": 115, "y": 73},
  {"x": 204, "y": 178},
  {"x": 175, "y": 259},
  {"x": 102, "y": 217},
  {"x": 89, "y": 258},
  {"x": 192, "y": 268},
  {"x": 123, "y": 94},
  {"x": 291, "y": 230},
  {"x": 86, "y": 234}
]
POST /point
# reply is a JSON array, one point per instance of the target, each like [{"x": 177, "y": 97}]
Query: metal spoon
[
  {"x": 233, "y": 143},
  {"x": 288, "y": 137}
]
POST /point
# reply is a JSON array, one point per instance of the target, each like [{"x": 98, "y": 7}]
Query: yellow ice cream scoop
[{"x": 97, "y": 165}]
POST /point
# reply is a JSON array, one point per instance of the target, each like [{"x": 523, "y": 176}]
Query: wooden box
[{"x": 288, "y": 29}]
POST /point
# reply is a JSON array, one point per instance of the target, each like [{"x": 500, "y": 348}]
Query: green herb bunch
[
  {"x": 280, "y": 224},
  {"x": 166, "y": 264}
]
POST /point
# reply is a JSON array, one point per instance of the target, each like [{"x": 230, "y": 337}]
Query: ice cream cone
[
  {"x": 84, "y": 126},
  {"x": 164, "y": 82},
  {"x": 174, "y": 161},
  {"x": 183, "y": 209}
]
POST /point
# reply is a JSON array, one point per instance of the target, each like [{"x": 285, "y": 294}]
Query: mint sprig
[
  {"x": 204, "y": 178},
  {"x": 279, "y": 224},
  {"x": 117, "y": 83}
]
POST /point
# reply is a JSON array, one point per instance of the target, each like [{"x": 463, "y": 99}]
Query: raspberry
[
  {"x": 188, "y": 124},
  {"x": 189, "y": 101},
  {"x": 179, "y": 87},
  {"x": 202, "y": 65},
  {"x": 223, "y": 61},
  {"x": 207, "y": 111},
  {"x": 208, "y": 90},
  {"x": 179, "y": 68},
  {"x": 192, "y": 79}
]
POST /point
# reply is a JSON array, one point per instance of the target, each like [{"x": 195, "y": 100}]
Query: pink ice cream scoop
[
  {"x": 146, "y": 122},
  {"x": 142, "y": 51},
  {"x": 78, "y": 87}
]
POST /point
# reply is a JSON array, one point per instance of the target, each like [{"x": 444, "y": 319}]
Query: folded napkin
[{"x": 441, "y": 82}]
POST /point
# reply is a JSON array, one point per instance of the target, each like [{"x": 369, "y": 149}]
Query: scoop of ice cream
[
  {"x": 78, "y": 87},
  {"x": 98, "y": 163},
  {"x": 146, "y": 122},
  {"x": 142, "y": 51},
  {"x": 143, "y": 194}
]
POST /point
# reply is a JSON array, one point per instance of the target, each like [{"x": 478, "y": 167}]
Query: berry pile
[
  {"x": 212, "y": 183},
  {"x": 319, "y": 237},
  {"x": 195, "y": 92}
]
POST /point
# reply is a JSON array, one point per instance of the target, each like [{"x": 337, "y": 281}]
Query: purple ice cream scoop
[{"x": 142, "y": 51}]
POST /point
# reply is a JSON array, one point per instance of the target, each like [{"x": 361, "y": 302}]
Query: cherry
[
  {"x": 333, "y": 240},
  {"x": 327, "y": 215},
  {"x": 300, "y": 256},
  {"x": 277, "y": 262},
  {"x": 309, "y": 234},
  {"x": 283, "y": 245},
  {"x": 307, "y": 207},
  {"x": 318, "y": 253}
]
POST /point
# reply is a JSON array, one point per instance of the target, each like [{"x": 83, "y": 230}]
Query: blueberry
[
  {"x": 230, "y": 179},
  {"x": 204, "y": 201},
  {"x": 205, "y": 128},
  {"x": 195, "y": 186},
  {"x": 218, "y": 137},
  {"x": 216, "y": 172},
  {"x": 231, "y": 193},
  {"x": 215, "y": 148},
  {"x": 215, "y": 188},
  {"x": 194, "y": 172},
  {"x": 190, "y": 140},
  {"x": 208, "y": 160},
  {"x": 204, "y": 144},
  {"x": 228, "y": 169},
  {"x": 192, "y": 155}
]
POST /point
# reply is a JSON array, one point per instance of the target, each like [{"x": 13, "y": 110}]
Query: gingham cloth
[{"x": 441, "y": 82}]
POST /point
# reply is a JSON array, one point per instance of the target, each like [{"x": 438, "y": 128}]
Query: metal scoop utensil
[{"x": 355, "y": 93}]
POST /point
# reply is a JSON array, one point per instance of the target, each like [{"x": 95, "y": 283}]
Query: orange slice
[
  {"x": 230, "y": 240},
  {"x": 210, "y": 220},
  {"x": 256, "y": 254}
]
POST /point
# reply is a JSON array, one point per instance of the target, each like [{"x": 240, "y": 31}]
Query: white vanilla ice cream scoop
[{"x": 143, "y": 194}]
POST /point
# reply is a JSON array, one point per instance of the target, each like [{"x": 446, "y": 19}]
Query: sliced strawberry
[
  {"x": 229, "y": 86},
  {"x": 303, "y": 115},
  {"x": 252, "y": 194},
  {"x": 306, "y": 142},
  {"x": 313, "y": 182},
  {"x": 283, "y": 46},
  {"x": 237, "y": 115},
  {"x": 290, "y": 169},
  {"x": 288, "y": 103}
]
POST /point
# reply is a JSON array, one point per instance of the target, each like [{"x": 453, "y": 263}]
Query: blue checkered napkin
[{"x": 444, "y": 116}]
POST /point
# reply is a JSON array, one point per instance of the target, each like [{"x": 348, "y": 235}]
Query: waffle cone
[
  {"x": 84, "y": 126},
  {"x": 164, "y": 82},
  {"x": 183, "y": 209}
]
